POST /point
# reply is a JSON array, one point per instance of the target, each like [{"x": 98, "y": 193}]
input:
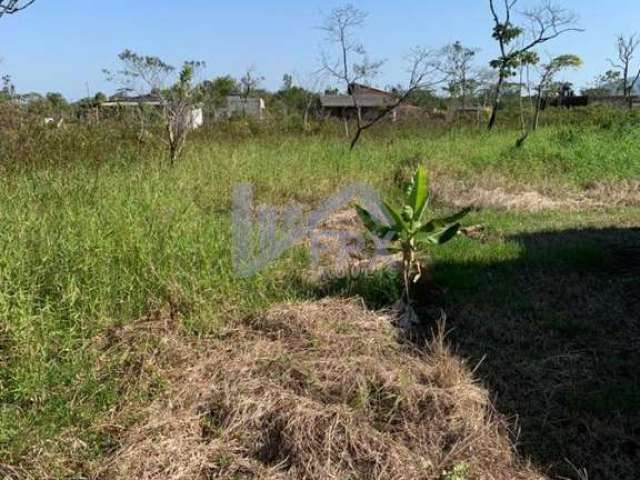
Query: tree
[
  {"x": 626, "y": 50},
  {"x": 603, "y": 85},
  {"x": 546, "y": 22},
  {"x": 310, "y": 84},
  {"x": 299, "y": 93},
  {"x": 250, "y": 82},
  {"x": 352, "y": 64},
  {"x": 8, "y": 91},
  {"x": 217, "y": 90},
  {"x": 147, "y": 74},
  {"x": 456, "y": 64},
  {"x": 287, "y": 82},
  {"x": 56, "y": 100},
  {"x": 178, "y": 104},
  {"x": 526, "y": 61},
  {"x": 409, "y": 232},
  {"x": 425, "y": 98},
  {"x": 99, "y": 98},
  {"x": 547, "y": 73},
  {"x": 9, "y": 7}
]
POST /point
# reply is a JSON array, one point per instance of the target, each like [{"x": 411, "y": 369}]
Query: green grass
[{"x": 88, "y": 245}]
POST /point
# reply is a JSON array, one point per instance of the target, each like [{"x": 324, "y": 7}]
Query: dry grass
[
  {"x": 341, "y": 249},
  {"x": 317, "y": 390},
  {"x": 489, "y": 193}
]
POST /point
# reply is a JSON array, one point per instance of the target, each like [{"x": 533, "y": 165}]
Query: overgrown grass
[{"x": 88, "y": 243}]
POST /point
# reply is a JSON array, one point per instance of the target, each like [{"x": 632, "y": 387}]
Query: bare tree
[
  {"x": 340, "y": 26},
  {"x": 250, "y": 81},
  {"x": 626, "y": 47},
  {"x": 423, "y": 66},
  {"x": 146, "y": 74},
  {"x": 9, "y": 7},
  {"x": 457, "y": 65},
  {"x": 310, "y": 84},
  {"x": 352, "y": 64},
  {"x": 546, "y": 22}
]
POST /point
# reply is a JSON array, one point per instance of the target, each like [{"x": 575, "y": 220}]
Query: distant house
[
  {"x": 119, "y": 100},
  {"x": 241, "y": 106},
  {"x": 362, "y": 99},
  {"x": 369, "y": 102},
  {"x": 195, "y": 113}
]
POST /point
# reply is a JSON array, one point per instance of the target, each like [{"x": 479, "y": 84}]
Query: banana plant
[{"x": 408, "y": 231}]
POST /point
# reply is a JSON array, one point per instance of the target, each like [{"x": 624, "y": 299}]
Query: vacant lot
[{"x": 541, "y": 297}]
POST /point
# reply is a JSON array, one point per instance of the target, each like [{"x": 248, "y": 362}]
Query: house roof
[
  {"x": 360, "y": 89},
  {"x": 363, "y": 101}
]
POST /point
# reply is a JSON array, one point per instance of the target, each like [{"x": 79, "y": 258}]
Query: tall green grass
[{"x": 98, "y": 235}]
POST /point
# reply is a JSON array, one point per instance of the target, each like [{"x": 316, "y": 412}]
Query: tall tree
[
  {"x": 147, "y": 74},
  {"x": 457, "y": 65},
  {"x": 604, "y": 84},
  {"x": 547, "y": 73},
  {"x": 217, "y": 90},
  {"x": 546, "y": 22},
  {"x": 626, "y": 51},
  {"x": 351, "y": 64}
]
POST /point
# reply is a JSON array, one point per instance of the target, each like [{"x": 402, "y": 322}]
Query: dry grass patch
[
  {"x": 318, "y": 390},
  {"x": 499, "y": 194}
]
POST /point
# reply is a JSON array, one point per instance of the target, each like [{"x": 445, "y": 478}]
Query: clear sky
[{"x": 63, "y": 45}]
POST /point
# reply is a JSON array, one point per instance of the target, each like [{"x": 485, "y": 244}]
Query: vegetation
[
  {"x": 95, "y": 238},
  {"x": 130, "y": 348},
  {"x": 410, "y": 230}
]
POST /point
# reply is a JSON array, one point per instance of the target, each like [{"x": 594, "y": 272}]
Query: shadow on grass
[{"x": 558, "y": 334}]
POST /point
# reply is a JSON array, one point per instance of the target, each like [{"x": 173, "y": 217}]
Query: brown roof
[
  {"x": 360, "y": 89},
  {"x": 363, "y": 101}
]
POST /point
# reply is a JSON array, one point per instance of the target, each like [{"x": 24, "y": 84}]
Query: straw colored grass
[{"x": 318, "y": 390}]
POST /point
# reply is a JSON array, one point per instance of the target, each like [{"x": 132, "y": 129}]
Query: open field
[{"x": 544, "y": 299}]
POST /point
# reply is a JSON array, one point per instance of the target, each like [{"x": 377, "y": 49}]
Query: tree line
[{"x": 447, "y": 77}]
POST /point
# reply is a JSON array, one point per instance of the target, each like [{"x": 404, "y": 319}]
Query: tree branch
[{"x": 13, "y": 6}]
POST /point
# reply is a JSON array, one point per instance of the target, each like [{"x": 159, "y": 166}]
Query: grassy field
[{"x": 87, "y": 245}]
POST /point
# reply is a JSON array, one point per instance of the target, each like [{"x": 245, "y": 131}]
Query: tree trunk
[
  {"x": 536, "y": 118},
  {"x": 523, "y": 125},
  {"x": 496, "y": 103},
  {"x": 305, "y": 119},
  {"x": 346, "y": 123}
]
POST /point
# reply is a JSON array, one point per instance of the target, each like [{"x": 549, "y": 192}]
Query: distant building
[
  {"x": 195, "y": 113},
  {"x": 366, "y": 101},
  {"x": 240, "y": 106},
  {"x": 119, "y": 100},
  {"x": 369, "y": 102}
]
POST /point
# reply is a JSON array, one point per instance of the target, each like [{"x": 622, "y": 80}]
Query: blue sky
[{"x": 63, "y": 45}]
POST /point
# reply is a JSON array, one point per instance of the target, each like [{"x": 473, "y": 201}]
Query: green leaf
[
  {"x": 445, "y": 235},
  {"x": 397, "y": 223},
  {"x": 371, "y": 224},
  {"x": 407, "y": 213},
  {"x": 419, "y": 193},
  {"x": 441, "y": 223}
]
